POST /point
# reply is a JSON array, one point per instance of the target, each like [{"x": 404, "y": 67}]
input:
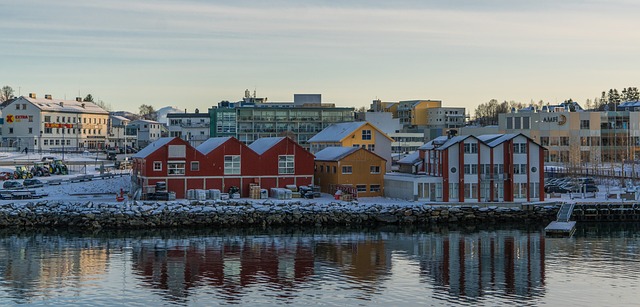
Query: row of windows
[
  {"x": 54, "y": 142},
  {"x": 70, "y": 119},
  {"x": 472, "y": 169},
  {"x": 519, "y": 148},
  {"x": 58, "y": 130},
  {"x": 231, "y": 165},
  {"x": 347, "y": 169},
  {"x": 470, "y": 148}
]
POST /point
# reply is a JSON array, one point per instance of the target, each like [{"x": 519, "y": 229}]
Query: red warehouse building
[
  {"x": 170, "y": 160},
  {"x": 283, "y": 162},
  {"x": 229, "y": 163},
  {"x": 220, "y": 163}
]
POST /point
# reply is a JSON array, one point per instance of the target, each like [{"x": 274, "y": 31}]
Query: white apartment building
[
  {"x": 147, "y": 131},
  {"x": 49, "y": 124}
]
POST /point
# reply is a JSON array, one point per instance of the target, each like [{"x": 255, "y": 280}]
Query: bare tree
[
  {"x": 6, "y": 93},
  {"x": 148, "y": 112}
]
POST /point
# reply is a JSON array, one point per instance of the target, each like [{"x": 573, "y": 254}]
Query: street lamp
[
  {"x": 63, "y": 143},
  {"x": 40, "y": 143}
]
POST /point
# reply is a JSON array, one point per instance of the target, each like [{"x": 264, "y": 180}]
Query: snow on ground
[{"x": 105, "y": 190}]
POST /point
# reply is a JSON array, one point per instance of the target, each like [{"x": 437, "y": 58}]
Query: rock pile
[{"x": 249, "y": 213}]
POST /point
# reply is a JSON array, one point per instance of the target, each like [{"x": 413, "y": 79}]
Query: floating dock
[{"x": 562, "y": 226}]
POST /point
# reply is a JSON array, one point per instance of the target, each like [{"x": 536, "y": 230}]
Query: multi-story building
[
  {"x": 350, "y": 166},
  {"x": 147, "y": 131},
  {"x": 413, "y": 113},
  {"x": 121, "y": 135},
  {"x": 54, "y": 124},
  {"x": 255, "y": 118},
  {"x": 578, "y": 139},
  {"x": 354, "y": 134},
  {"x": 192, "y": 127},
  {"x": 492, "y": 168}
]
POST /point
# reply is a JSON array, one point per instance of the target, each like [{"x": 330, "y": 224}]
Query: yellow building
[
  {"x": 354, "y": 134},
  {"x": 415, "y": 112},
  {"x": 350, "y": 166}
]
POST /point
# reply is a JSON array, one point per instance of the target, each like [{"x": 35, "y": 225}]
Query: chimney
[
  {"x": 32, "y": 95},
  {"x": 62, "y": 103},
  {"x": 79, "y": 99},
  {"x": 47, "y": 96},
  {"x": 82, "y": 105}
]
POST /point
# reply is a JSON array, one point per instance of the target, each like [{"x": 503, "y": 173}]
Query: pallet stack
[{"x": 254, "y": 191}]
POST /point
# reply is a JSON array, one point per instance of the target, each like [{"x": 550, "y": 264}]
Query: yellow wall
[
  {"x": 360, "y": 162},
  {"x": 356, "y": 138},
  {"x": 419, "y": 114}
]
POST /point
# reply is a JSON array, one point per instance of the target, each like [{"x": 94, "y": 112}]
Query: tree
[
  {"x": 148, "y": 112},
  {"x": 105, "y": 106},
  {"x": 89, "y": 98},
  {"x": 6, "y": 93}
]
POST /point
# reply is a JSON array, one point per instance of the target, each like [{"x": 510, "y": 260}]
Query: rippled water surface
[{"x": 599, "y": 266}]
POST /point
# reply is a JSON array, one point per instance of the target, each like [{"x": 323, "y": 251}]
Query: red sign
[{"x": 9, "y": 118}]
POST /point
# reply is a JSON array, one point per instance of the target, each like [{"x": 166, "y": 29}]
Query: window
[
  {"x": 47, "y": 119},
  {"x": 285, "y": 164},
  {"x": 347, "y": 169},
  {"x": 519, "y": 148},
  {"x": 584, "y": 124},
  {"x": 157, "y": 166},
  {"x": 371, "y": 147},
  {"x": 544, "y": 140},
  {"x": 195, "y": 166},
  {"x": 46, "y": 142},
  {"x": 470, "y": 148},
  {"x": 175, "y": 168},
  {"x": 10, "y": 130},
  {"x": 374, "y": 188},
  {"x": 361, "y": 188},
  {"x": 31, "y": 118},
  {"x": 231, "y": 165},
  {"x": 321, "y": 168},
  {"x": 375, "y": 169},
  {"x": 334, "y": 170},
  {"x": 366, "y": 135}
]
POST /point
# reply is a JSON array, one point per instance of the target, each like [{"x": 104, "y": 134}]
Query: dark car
[
  {"x": 552, "y": 188},
  {"x": 33, "y": 183},
  {"x": 11, "y": 184},
  {"x": 112, "y": 155}
]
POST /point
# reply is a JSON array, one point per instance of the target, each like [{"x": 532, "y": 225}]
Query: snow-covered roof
[
  {"x": 411, "y": 158},
  {"x": 62, "y": 105},
  {"x": 211, "y": 144},
  {"x": 336, "y": 132},
  {"x": 143, "y": 121},
  {"x": 334, "y": 153},
  {"x": 145, "y": 152},
  {"x": 264, "y": 144},
  {"x": 434, "y": 143},
  {"x": 120, "y": 118}
]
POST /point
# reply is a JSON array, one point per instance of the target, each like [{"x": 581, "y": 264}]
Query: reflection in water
[{"x": 319, "y": 266}]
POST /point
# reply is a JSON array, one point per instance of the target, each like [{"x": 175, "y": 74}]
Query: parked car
[
  {"x": 556, "y": 189},
  {"x": 12, "y": 185},
  {"x": 33, "y": 183},
  {"x": 112, "y": 155}
]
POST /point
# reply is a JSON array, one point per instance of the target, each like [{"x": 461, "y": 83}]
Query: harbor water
[{"x": 389, "y": 266}]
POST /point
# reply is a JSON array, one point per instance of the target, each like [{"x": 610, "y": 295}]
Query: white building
[
  {"x": 147, "y": 131},
  {"x": 191, "y": 127},
  {"x": 491, "y": 168},
  {"x": 120, "y": 133},
  {"x": 49, "y": 124}
]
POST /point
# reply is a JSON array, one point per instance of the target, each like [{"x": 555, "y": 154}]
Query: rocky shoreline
[{"x": 140, "y": 215}]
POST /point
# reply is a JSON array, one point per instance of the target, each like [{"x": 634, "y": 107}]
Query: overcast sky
[{"x": 193, "y": 54}]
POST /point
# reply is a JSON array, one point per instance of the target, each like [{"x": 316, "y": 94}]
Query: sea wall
[{"x": 247, "y": 213}]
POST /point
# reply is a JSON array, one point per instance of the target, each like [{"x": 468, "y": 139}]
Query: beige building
[
  {"x": 579, "y": 138},
  {"x": 49, "y": 124}
]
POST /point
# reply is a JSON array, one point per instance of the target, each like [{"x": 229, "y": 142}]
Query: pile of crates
[{"x": 256, "y": 192}]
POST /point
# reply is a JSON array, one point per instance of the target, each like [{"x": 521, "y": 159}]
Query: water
[{"x": 322, "y": 266}]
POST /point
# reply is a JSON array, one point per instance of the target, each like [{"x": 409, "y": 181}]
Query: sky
[{"x": 195, "y": 53}]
